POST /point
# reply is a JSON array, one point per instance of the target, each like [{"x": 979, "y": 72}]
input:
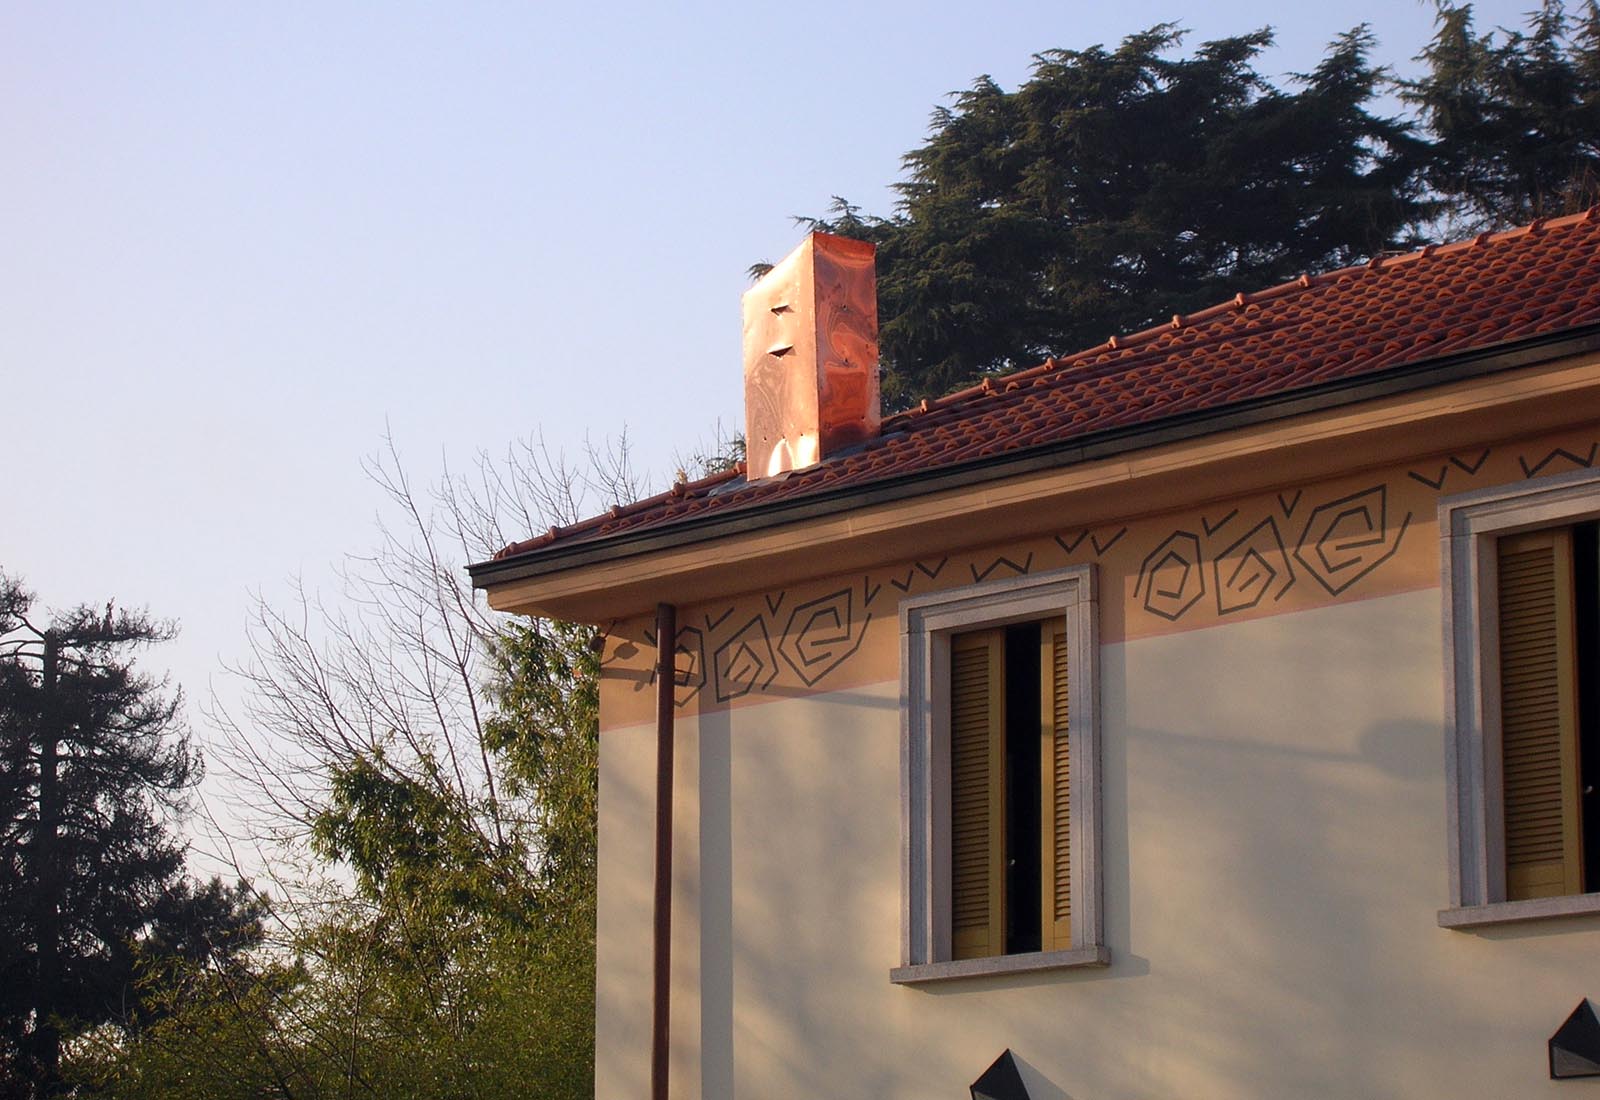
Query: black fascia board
[{"x": 1088, "y": 447}]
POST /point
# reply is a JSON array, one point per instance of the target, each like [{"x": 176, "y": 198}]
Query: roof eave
[{"x": 557, "y": 558}]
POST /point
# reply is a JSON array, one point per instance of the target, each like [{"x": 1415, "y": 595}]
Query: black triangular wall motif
[
  {"x": 1002, "y": 1081},
  {"x": 1575, "y": 1047}
]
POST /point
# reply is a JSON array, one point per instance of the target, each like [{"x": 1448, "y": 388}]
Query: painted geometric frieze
[
  {"x": 822, "y": 634},
  {"x": 922, "y": 570},
  {"x": 1251, "y": 568},
  {"x": 1171, "y": 577},
  {"x": 745, "y": 662},
  {"x": 1560, "y": 457},
  {"x": 1233, "y": 559},
  {"x": 1342, "y": 540},
  {"x": 689, "y": 663},
  {"x": 1435, "y": 477},
  {"x": 1346, "y": 539},
  {"x": 1003, "y": 566},
  {"x": 1101, "y": 541}
]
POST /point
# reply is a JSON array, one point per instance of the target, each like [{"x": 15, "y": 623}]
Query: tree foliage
[
  {"x": 546, "y": 726},
  {"x": 197, "y": 931},
  {"x": 1116, "y": 187},
  {"x": 434, "y": 766},
  {"x": 1515, "y": 118},
  {"x": 348, "y": 1019},
  {"x": 94, "y": 765}
]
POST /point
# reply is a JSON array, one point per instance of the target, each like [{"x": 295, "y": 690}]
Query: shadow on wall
[
  {"x": 716, "y": 906},
  {"x": 815, "y": 871},
  {"x": 623, "y": 963}
]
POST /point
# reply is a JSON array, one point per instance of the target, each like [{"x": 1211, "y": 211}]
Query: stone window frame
[
  {"x": 1469, "y": 525},
  {"x": 927, "y": 623}
]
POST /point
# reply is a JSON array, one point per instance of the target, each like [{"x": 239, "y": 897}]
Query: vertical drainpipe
[{"x": 666, "y": 683}]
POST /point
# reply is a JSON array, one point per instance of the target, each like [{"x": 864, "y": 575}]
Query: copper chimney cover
[{"x": 811, "y": 356}]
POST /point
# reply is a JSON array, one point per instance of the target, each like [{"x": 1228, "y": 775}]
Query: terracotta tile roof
[{"x": 1389, "y": 313}]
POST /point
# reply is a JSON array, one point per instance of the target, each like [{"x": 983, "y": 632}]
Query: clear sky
[{"x": 237, "y": 241}]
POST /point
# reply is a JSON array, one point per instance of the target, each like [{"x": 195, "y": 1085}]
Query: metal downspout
[{"x": 666, "y": 683}]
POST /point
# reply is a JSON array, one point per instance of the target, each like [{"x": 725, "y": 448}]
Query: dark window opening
[
  {"x": 1586, "y": 601},
  {"x": 1022, "y": 872}
]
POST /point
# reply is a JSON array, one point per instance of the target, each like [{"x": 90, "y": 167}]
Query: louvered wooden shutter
[
  {"x": 977, "y": 794},
  {"x": 1055, "y": 796},
  {"x": 1538, "y": 716}
]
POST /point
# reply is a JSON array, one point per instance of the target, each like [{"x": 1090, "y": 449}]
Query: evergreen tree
[
  {"x": 196, "y": 932},
  {"x": 1117, "y": 187},
  {"x": 1517, "y": 121},
  {"x": 93, "y": 757}
]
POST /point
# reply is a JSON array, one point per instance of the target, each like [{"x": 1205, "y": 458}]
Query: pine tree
[
  {"x": 93, "y": 758},
  {"x": 1517, "y": 121},
  {"x": 1117, "y": 187}
]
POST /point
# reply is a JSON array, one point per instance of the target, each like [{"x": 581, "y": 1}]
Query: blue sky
[{"x": 237, "y": 242}]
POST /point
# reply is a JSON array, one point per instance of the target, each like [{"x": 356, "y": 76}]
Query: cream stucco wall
[{"x": 1274, "y": 858}]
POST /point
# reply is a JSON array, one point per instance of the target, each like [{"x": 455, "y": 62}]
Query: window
[
  {"x": 1522, "y": 644},
  {"x": 1010, "y": 791},
  {"x": 1546, "y": 606},
  {"x": 999, "y": 764}
]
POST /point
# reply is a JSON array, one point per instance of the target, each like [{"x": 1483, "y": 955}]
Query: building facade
[{"x": 1203, "y": 715}]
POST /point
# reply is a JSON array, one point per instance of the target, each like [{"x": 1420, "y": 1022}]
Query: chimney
[{"x": 810, "y": 356}]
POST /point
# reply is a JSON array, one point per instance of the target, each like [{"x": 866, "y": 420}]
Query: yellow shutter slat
[
  {"x": 1538, "y": 727},
  {"x": 1055, "y": 796},
  {"x": 977, "y": 794}
]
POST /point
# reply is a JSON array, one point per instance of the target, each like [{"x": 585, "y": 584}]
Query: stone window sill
[
  {"x": 1512, "y": 912},
  {"x": 1000, "y": 965}
]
